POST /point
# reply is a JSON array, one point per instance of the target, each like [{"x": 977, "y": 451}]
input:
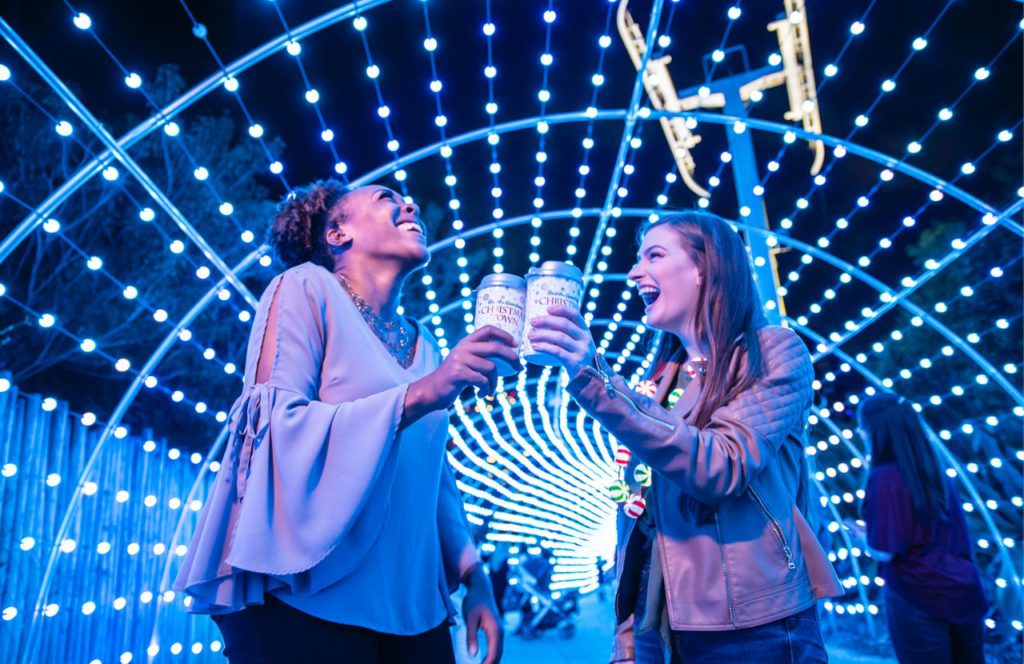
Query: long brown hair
[
  {"x": 896, "y": 434},
  {"x": 728, "y": 313}
]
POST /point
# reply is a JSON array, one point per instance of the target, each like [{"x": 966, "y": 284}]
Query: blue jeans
[
  {"x": 794, "y": 639},
  {"x": 918, "y": 636},
  {"x": 647, "y": 648}
]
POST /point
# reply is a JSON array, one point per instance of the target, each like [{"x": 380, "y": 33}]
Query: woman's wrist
[
  {"x": 420, "y": 399},
  {"x": 473, "y": 574}
]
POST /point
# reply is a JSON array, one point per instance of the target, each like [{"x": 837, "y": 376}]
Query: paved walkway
[{"x": 591, "y": 643}]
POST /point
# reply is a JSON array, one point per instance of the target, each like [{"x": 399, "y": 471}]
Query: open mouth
[
  {"x": 411, "y": 226},
  {"x": 649, "y": 294}
]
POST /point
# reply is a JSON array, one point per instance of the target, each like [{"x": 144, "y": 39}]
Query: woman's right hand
[{"x": 469, "y": 364}]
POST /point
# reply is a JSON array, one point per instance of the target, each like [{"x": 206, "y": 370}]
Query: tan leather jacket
[{"x": 757, "y": 559}]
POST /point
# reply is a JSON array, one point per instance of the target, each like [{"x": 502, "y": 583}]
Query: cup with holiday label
[
  {"x": 501, "y": 302},
  {"x": 553, "y": 283}
]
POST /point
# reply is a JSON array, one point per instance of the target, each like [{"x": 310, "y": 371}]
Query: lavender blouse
[{"x": 320, "y": 499}]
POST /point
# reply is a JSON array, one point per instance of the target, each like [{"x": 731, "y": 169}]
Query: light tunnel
[{"x": 900, "y": 272}]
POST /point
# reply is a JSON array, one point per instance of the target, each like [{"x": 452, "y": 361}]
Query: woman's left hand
[
  {"x": 564, "y": 334},
  {"x": 480, "y": 612}
]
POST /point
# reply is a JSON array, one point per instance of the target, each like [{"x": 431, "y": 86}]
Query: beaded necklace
[{"x": 402, "y": 349}]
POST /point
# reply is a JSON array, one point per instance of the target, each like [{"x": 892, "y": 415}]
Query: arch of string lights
[{"x": 93, "y": 552}]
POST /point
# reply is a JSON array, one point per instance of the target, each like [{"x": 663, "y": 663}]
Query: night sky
[{"x": 144, "y": 35}]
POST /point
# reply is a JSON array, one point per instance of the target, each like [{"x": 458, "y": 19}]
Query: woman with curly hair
[
  {"x": 334, "y": 530},
  {"x": 722, "y": 562}
]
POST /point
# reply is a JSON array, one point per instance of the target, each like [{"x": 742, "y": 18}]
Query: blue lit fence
[{"x": 107, "y": 595}]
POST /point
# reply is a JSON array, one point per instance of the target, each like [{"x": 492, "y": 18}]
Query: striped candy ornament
[
  {"x": 622, "y": 456},
  {"x": 618, "y": 491},
  {"x": 635, "y": 506},
  {"x": 642, "y": 474},
  {"x": 646, "y": 388}
]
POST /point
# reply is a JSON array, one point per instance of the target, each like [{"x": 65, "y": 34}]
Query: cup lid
[
  {"x": 556, "y": 269},
  {"x": 502, "y": 279}
]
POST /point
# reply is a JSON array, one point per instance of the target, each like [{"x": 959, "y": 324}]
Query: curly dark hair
[{"x": 297, "y": 232}]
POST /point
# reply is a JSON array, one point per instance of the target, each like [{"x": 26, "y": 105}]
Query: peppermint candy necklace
[{"x": 636, "y": 504}]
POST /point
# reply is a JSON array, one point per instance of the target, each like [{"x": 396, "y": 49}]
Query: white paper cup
[
  {"x": 501, "y": 302},
  {"x": 553, "y": 283}
]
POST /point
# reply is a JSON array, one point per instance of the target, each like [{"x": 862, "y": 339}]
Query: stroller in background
[{"x": 539, "y": 609}]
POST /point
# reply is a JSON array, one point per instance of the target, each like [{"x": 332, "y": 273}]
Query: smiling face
[
  {"x": 668, "y": 280},
  {"x": 376, "y": 223}
]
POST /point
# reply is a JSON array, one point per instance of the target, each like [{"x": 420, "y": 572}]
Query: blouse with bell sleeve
[{"x": 320, "y": 499}]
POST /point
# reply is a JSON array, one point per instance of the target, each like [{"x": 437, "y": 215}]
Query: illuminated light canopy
[{"x": 532, "y": 468}]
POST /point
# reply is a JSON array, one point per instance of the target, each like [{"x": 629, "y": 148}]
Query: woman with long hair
[
  {"x": 722, "y": 561},
  {"x": 334, "y": 530},
  {"x": 915, "y": 528}
]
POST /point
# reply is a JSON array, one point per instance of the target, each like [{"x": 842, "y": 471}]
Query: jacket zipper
[
  {"x": 612, "y": 391},
  {"x": 775, "y": 526},
  {"x": 725, "y": 571}
]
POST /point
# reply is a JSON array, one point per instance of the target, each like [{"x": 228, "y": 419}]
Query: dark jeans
[
  {"x": 918, "y": 636},
  {"x": 274, "y": 633},
  {"x": 794, "y": 639}
]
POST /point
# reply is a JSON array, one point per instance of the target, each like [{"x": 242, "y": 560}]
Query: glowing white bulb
[
  {"x": 82, "y": 21},
  {"x": 110, "y": 174},
  {"x": 945, "y": 115},
  {"x": 231, "y": 84},
  {"x": 981, "y": 73},
  {"x": 312, "y": 96},
  {"x": 276, "y": 167},
  {"x": 920, "y": 44},
  {"x": 64, "y": 128},
  {"x": 831, "y": 70},
  {"x": 293, "y": 47},
  {"x": 201, "y": 173},
  {"x": 488, "y": 29},
  {"x": 856, "y": 28},
  {"x": 550, "y": 16},
  {"x": 172, "y": 129},
  {"x": 133, "y": 80},
  {"x": 430, "y": 44},
  {"x": 734, "y": 13},
  {"x": 359, "y": 23},
  {"x": 47, "y": 320}
]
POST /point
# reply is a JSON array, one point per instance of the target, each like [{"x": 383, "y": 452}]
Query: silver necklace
[{"x": 402, "y": 349}]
